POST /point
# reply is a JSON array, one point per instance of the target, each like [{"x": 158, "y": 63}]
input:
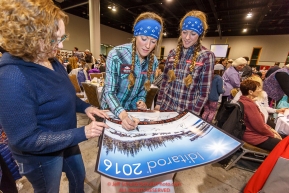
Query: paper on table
[{"x": 286, "y": 113}]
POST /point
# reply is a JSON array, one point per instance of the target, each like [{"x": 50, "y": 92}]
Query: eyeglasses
[{"x": 59, "y": 41}]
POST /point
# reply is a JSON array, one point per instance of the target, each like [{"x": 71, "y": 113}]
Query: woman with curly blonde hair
[
  {"x": 130, "y": 69},
  {"x": 38, "y": 101},
  {"x": 189, "y": 68}
]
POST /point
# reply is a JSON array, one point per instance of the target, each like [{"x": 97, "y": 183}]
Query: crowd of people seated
[
  {"x": 84, "y": 60},
  {"x": 258, "y": 94}
]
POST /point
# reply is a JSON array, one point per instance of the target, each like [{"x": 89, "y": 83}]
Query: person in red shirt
[{"x": 257, "y": 132}]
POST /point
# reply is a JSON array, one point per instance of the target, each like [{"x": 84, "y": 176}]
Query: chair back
[
  {"x": 91, "y": 94},
  {"x": 97, "y": 75},
  {"x": 74, "y": 82},
  {"x": 150, "y": 96},
  {"x": 103, "y": 75}
]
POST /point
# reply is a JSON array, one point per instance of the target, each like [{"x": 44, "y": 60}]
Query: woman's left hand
[
  {"x": 141, "y": 105},
  {"x": 91, "y": 111},
  {"x": 282, "y": 110}
]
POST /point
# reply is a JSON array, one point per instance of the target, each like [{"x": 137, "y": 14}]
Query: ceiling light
[
  {"x": 245, "y": 30},
  {"x": 165, "y": 33},
  {"x": 109, "y": 7},
  {"x": 249, "y": 15},
  {"x": 113, "y": 8}
]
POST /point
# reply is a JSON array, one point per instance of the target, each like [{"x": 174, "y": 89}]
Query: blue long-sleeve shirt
[
  {"x": 38, "y": 109},
  {"x": 116, "y": 94}
]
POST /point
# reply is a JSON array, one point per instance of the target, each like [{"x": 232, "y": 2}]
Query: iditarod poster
[{"x": 164, "y": 142}]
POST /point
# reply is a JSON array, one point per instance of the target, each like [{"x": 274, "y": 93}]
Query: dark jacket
[{"x": 271, "y": 70}]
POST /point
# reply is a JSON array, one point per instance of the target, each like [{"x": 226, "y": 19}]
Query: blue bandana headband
[
  {"x": 148, "y": 27},
  {"x": 193, "y": 23}
]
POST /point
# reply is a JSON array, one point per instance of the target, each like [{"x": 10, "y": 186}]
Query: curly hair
[
  {"x": 73, "y": 62},
  {"x": 171, "y": 74},
  {"x": 247, "y": 85},
  {"x": 258, "y": 79},
  {"x": 26, "y": 23},
  {"x": 131, "y": 78}
]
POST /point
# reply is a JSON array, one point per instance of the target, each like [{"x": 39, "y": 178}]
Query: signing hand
[
  {"x": 91, "y": 111},
  {"x": 94, "y": 129},
  {"x": 128, "y": 123},
  {"x": 141, "y": 105},
  {"x": 157, "y": 107}
]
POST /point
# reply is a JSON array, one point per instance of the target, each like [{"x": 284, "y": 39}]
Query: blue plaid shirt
[{"x": 116, "y": 96}]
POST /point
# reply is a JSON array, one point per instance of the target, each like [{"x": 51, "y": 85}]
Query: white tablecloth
[{"x": 282, "y": 124}]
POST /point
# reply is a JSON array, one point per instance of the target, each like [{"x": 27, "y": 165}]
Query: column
[{"x": 94, "y": 27}]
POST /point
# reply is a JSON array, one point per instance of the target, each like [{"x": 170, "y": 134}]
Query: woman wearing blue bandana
[
  {"x": 129, "y": 74},
  {"x": 130, "y": 70},
  {"x": 189, "y": 68}
]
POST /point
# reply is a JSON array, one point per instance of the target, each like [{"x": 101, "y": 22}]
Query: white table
[{"x": 282, "y": 124}]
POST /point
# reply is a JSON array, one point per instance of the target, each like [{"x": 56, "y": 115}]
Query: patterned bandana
[
  {"x": 148, "y": 27},
  {"x": 193, "y": 23}
]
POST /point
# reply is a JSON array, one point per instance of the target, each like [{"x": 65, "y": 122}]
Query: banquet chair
[
  {"x": 150, "y": 96},
  {"x": 97, "y": 75},
  {"x": 248, "y": 152},
  {"x": 91, "y": 94},
  {"x": 103, "y": 75},
  {"x": 77, "y": 88}
]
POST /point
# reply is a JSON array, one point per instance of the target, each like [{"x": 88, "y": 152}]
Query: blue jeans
[{"x": 45, "y": 177}]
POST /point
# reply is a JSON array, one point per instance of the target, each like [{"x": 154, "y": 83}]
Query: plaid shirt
[
  {"x": 175, "y": 95},
  {"x": 116, "y": 94}
]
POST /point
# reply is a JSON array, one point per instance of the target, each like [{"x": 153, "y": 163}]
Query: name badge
[
  {"x": 199, "y": 63},
  {"x": 171, "y": 59},
  {"x": 125, "y": 68}
]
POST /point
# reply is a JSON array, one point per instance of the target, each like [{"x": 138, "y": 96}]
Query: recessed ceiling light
[{"x": 249, "y": 15}]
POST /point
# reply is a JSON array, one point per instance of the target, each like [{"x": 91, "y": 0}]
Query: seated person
[
  {"x": 93, "y": 70},
  {"x": 262, "y": 102},
  {"x": 102, "y": 68},
  {"x": 257, "y": 132}
]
